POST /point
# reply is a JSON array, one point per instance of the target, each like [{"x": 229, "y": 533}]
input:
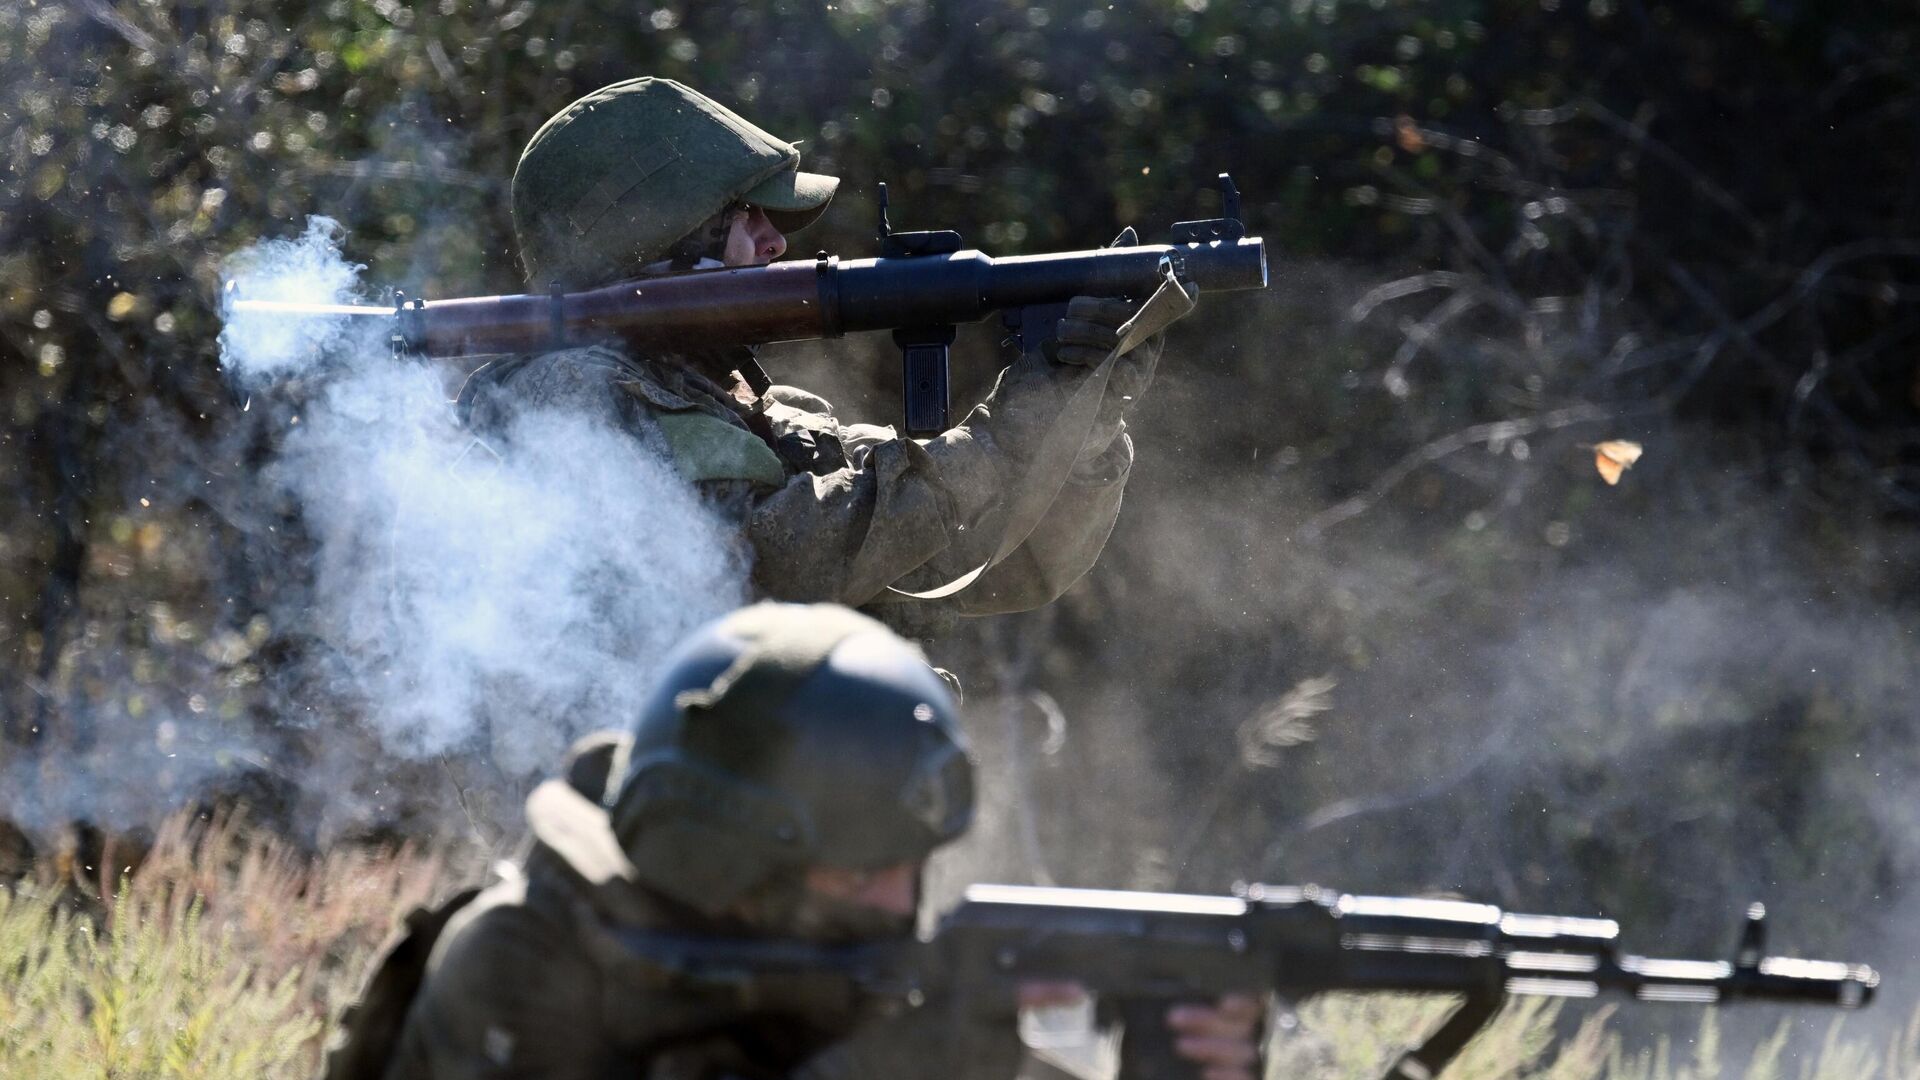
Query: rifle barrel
[{"x": 1317, "y": 940}]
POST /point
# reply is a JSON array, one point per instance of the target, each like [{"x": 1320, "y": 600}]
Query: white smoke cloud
[
  {"x": 466, "y": 600},
  {"x": 306, "y": 270}
]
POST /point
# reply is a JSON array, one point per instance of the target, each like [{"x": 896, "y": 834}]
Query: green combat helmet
[
  {"x": 787, "y": 736},
  {"x": 614, "y": 180}
]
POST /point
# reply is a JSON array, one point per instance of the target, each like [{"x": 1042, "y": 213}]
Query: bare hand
[{"x": 1221, "y": 1038}]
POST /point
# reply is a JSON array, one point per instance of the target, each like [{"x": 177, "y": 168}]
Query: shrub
[{"x": 227, "y": 955}]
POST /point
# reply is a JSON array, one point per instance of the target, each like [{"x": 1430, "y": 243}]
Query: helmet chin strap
[{"x": 709, "y": 241}]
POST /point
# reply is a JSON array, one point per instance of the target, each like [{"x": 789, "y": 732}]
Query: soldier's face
[
  {"x": 841, "y": 906},
  {"x": 892, "y": 890},
  {"x": 752, "y": 240}
]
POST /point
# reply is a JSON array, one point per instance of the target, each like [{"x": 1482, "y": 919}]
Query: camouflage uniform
[
  {"x": 519, "y": 987},
  {"x": 844, "y": 748},
  {"x": 635, "y": 178}
]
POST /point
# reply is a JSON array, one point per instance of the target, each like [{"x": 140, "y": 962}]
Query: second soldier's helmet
[
  {"x": 611, "y": 182},
  {"x": 786, "y": 736}
]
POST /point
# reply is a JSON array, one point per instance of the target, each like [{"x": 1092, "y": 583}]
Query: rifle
[
  {"x": 1140, "y": 952},
  {"x": 920, "y": 286}
]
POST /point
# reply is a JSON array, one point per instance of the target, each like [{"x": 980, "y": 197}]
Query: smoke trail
[{"x": 463, "y": 600}]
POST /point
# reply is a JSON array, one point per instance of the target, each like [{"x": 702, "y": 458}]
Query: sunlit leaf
[{"x": 1614, "y": 457}]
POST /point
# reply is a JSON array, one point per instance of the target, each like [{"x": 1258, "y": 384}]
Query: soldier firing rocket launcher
[
  {"x": 1140, "y": 952},
  {"x": 920, "y": 287}
]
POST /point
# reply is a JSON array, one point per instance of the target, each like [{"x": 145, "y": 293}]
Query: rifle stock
[{"x": 1139, "y": 951}]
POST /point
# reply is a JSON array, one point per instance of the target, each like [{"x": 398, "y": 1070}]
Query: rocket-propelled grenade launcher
[
  {"x": 1140, "y": 952},
  {"x": 921, "y": 286}
]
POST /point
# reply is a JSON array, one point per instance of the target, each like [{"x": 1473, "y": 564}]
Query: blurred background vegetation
[{"x": 1370, "y": 616}]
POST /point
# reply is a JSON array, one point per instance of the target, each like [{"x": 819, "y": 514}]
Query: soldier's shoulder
[
  {"x": 500, "y": 931},
  {"x": 661, "y": 404},
  {"x": 498, "y": 920},
  {"x": 705, "y": 447},
  {"x": 704, "y": 437},
  {"x": 589, "y": 368},
  {"x": 578, "y": 379},
  {"x": 510, "y": 983}
]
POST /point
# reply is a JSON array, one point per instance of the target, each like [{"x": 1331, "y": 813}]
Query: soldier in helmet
[
  {"x": 788, "y": 780},
  {"x": 648, "y": 176}
]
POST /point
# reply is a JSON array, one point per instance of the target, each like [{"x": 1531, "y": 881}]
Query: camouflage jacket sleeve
[
  {"x": 916, "y": 515},
  {"x": 1065, "y": 543}
]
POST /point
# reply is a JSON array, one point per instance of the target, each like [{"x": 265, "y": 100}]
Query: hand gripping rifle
[
  {"x": 920, "y": 286},
  {"x": 1141, "y": 952}
]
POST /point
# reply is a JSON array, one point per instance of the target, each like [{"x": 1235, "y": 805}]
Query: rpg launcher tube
[{"x": 793, "y": 301}]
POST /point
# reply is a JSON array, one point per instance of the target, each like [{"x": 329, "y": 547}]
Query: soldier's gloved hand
[{"x": 1091, "y": 330}]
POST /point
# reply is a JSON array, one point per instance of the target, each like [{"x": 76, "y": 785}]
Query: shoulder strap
[{"x": 369, "y": 1032}]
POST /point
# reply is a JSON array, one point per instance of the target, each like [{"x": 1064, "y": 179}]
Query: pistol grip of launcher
[{"x": 923, "y": 378}]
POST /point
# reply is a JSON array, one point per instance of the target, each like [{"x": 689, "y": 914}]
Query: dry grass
[
  {"x": 1354, "y": 1037},
  {"x": 228, "y": 955},
  {"x": 224, "y": 956}
]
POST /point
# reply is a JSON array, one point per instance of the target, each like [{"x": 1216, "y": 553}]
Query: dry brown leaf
[
  {"x": 1408, "y": 135},
  {"x": 1614, "y": 457},
  {"x": 1285, "y": 722}
]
